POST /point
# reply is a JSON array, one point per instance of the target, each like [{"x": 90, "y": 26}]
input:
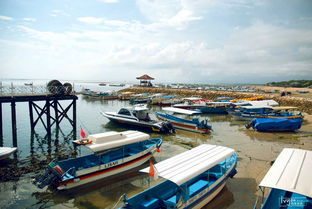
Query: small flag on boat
[
  {"x": 56, "y": 167},
  {"x": 82, "y": 133},
  {"x": 153, "y": 171},
  {"x": 158, "y": 149}
]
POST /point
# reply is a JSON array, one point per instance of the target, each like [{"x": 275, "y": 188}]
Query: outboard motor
[
  {"x": 46, "y": 179},
  {"x": 167, "y": 127},
  {"x": 52, "y": 174},
  {"x": 251, "y": 124}
]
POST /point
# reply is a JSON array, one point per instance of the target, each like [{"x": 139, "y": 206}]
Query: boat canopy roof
[
  {"x": 192, "y": 98},
  {"x": 257, "y": 107},
  {"x": 180, "y": 110},
  {"x": 112, "y": 139},
  {"x": 284, "y": 108},
  {"x": 291, "y": 171},
  {"x": 187, "y": 165},
  {"x": 136, "y": 108},
  {"x": 269, "y": 102},
  {"x": 219, "y": 102}
]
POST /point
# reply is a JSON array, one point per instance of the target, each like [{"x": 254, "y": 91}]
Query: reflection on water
[{"x": 255, "y": 151}]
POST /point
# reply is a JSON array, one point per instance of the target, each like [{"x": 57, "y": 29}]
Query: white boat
[
  {"x": 193, "y": 179},
  {"x": 181, "y": 111},
  {"x": 114, "y": 152},
  {"x": 138, "y": 117},
  {"x": 289, "y": 181},
  {"x": 5, "y": 152}
]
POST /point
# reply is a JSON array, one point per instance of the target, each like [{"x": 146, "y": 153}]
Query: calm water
[{"x": 255, "y": 150}]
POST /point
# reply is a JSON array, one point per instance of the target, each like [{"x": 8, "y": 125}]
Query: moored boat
[
  {"x": 204, "y": 106},
  {"x": 193, "y": 125},
  {"x": 5, "y": 152},
  {"x": 113, "y": 153},
  {"x": 193, "y": 179},
  {"x": 289, "y": 181},
  {"x": 138, "y": 117},
  {"x": 275, "y": 124}
]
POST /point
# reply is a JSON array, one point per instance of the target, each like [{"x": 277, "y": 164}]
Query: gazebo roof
[{"x": 145, "y": 77}]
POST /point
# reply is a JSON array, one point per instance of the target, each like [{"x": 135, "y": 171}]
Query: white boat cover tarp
[
  {"x": 111, "y": 139},
  {"x": 291, "y": 171},
  {"x": 180, "y": 110},
  {"x": 187, "y": 165}
]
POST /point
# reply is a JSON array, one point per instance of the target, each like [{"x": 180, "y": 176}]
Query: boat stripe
[{"x": 105, "y": 170}]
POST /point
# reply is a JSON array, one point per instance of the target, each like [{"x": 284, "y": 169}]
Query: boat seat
[
  {"x": 149, "y": 202},
  {"x": 89, "y": 163},
  {"x": 214, "y": 175},
  {"x": 197, "y": 186}
]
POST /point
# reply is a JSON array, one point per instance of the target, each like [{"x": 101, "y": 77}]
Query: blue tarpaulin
[{"x": 276, "y": 124}]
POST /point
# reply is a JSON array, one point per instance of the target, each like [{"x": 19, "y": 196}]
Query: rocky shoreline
[{"x": 304, "y": 104}]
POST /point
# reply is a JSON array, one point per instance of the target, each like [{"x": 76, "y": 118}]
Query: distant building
[{"x": 145, "y": 80}]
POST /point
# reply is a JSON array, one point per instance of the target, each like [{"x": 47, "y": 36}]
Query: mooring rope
[{"x": 117, "y": 202}]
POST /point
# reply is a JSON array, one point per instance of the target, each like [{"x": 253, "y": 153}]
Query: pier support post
[
  {"x": 31, "y": 116},
  {"x": 48, "y": 119},
  {"x": 14, "y": 129},
  {"x": 57, "y": 123},
  {"x": 1, "y": 126},
  {"x": 74, "y": 119}
]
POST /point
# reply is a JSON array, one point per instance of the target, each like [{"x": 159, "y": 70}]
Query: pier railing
[{"x": 18, "y": 90}]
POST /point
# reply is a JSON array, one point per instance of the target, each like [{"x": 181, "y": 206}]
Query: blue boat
[
  {"x": 289, "y": 181},
  {"x": 193, "y": 179},
  {"x": 113, "y": 153},
  {"x": 275, "y": 124},
  {"x": 207, "y": 107},
  {"x": 193, "y": 125},
  {"x": 250, "y": 112}
]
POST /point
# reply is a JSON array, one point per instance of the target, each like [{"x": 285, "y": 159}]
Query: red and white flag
[
  {"x": 82, "y": 133},
  {"x": 153, "y": 171}
]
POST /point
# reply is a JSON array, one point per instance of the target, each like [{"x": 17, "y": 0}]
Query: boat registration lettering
[{"x": 111, "y": 164}]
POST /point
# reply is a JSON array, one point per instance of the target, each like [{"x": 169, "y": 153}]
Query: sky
[{"x": 186, "y": 41}]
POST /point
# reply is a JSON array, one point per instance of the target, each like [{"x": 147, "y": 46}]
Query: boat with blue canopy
[
  {"x": 113, "y": 153},
  {"x": 192, "y": 179},
  {"x": 193, "y": 125},
  {"x": 275, "y": 124},
  {"x": 289, "y": 181}
]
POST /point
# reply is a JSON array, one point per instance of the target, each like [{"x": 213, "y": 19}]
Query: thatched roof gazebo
[{"x": 145, "y": 80}]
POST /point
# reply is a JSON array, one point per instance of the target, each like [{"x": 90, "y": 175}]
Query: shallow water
[{"x": 256, "y": 151}]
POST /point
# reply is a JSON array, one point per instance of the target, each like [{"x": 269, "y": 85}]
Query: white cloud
[
  {"x": 6, "y": 18},
  {"x": 91, "y": 20},
  {"x": 109, "y": 1},
  {"x": 29, "y": 19},
  {"x": 57, "y": 13}
]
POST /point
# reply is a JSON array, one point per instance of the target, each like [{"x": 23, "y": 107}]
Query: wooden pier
[{"x": 51, "y": 113}]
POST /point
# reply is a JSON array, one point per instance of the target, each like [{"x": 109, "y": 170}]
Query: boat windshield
[
  {"x": 124, "y": 111},
  {"x": 142, "y": 115}
]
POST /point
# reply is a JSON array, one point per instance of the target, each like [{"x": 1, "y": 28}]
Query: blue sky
[{"x": 206, "y": 41}]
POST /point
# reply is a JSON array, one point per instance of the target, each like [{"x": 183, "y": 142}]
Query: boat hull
[
  {"x": 204, "y": 197},
  {"x": 184, "y": 126},
  {"x": 95, "y": 176},
  {"x": 204, "y": 109},
  {"x": 152, "y": 127},
  {"x": 5, "y": 152}
]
